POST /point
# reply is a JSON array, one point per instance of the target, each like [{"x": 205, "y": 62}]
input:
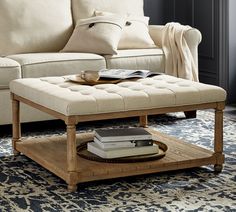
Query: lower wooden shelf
[{"x": 50, "y": 152}]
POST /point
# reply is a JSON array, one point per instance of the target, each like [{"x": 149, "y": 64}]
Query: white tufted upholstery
[{"x": 68, "y": 98}]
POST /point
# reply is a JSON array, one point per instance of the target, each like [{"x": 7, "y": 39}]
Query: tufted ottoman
[{"x": 75, "y": 103}]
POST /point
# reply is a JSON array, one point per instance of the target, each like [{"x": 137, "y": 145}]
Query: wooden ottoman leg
[
  {"x": 71, "y": 157},
  {"x": 143, "y": 121},
  {"x": 218, "y": 140},
  {"x": 190, "y": 114},
  {"x": 16, "y": 129}
]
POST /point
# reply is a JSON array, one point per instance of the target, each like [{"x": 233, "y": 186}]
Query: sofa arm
[{"x": 193, "y": 38}]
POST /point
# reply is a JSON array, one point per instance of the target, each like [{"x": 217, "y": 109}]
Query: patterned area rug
[{"x": 25, "y": 186}]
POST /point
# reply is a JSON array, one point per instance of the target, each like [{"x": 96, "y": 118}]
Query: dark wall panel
[
  {"x": 232, "y": 51},
  {"x": 183, "y": 11},
  {"x": 159, "y": 11},
  {"x": 204, "y": 19}
]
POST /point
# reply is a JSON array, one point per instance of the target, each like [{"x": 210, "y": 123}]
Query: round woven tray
[{"x": 84, "y": 153}]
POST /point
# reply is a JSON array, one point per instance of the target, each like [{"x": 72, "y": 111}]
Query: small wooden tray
[
  {"x": 84, "y": 153},
  {"x": 77, "y": 79}
]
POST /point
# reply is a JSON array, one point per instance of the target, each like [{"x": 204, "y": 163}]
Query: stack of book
[{"x": 117, "y": 143}]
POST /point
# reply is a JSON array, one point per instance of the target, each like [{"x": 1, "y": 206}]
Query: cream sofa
[{"x": 33, "y": 32}]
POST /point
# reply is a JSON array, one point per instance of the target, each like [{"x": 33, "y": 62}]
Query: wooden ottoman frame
[{"x": 60, "y": 157}]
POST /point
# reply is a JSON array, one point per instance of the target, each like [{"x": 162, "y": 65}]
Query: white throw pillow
[
  {"x": 135, "y": 34},
  {"x": 34, "y": 26},
  {"x": 98, "y": 35},
  {"x": 85, "y": 8}
]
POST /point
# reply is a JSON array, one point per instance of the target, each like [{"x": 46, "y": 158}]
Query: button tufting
[
  {"x": 139, "y": 87},
  {"x": 53, "y": 80},
  {"x": 81, "y": 88},
  {"x": 160, "y": 87},
  {"x": 148, "y": 83},
  {"x": 160, "y": 91},
  {"x": 86, "y": 92},
  {"x": 64, "y": 85},
  {"x": 113, "y": 89},
  {"x": 184, "y": 84},
  {"x": 103, "y": 86},
  {"x": 171, "y": 82}
]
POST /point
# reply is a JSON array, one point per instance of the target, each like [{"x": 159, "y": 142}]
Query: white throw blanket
[{"x": 179, "y": 59}]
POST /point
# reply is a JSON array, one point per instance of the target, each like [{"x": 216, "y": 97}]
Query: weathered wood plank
[{"x": 42, "y": 150}]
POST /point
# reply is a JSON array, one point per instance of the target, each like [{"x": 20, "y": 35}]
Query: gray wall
[{"x": 232, "y": 50}]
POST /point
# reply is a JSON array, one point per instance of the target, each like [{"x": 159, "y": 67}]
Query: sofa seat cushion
[
  {"x": 9, "y": 70},
  {"x": 86, "y": 8},
  {"x": 150, "y": 59},
  {"x": 57, "y": 64},
  {"x": 34, "y": 26},
  {"x": 68, "y": 98}
]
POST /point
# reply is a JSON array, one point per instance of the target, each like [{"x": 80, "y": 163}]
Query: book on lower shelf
[
  {"x": 125, "y": 73},
  {"x": 122, "y": 144},
  {"x": 122, "y": 152},
  {"x": 123, "y": 134}
]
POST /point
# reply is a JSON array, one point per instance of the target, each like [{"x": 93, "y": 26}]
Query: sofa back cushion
[
  {"x": 86, "y": 8},
  {"x": 34, "y": 25}
]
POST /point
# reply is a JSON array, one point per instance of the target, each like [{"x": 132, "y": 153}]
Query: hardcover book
[
  {"x": 122, "y": 144},
  {"x": 122, "y": 152},
  {"x": 124, "y": 134},
  {"x": 113, "y": 145}
]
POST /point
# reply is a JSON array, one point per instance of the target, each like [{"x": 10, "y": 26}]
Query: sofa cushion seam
[
  {"x": 134, "y": 56},
  {"x": 59, "y": 61},
  {"x": 9, "y": 66}
]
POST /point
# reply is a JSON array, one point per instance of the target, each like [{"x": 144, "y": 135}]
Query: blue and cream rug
[{"x": 25, "y": 186}]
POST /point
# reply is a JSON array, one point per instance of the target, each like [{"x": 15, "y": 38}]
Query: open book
[{"x": 125, "y": 73}]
